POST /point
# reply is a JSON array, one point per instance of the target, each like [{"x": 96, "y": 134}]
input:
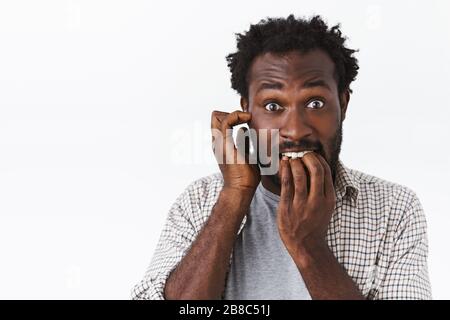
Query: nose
[{"x": 294, "y": 126}]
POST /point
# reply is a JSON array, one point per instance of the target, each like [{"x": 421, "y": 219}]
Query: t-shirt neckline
[{"x": 268, "y": 193}]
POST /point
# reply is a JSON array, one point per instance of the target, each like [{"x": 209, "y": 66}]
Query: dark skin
[{"x": 307, "y": 109}]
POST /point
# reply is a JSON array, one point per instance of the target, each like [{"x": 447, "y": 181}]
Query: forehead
[{"x": 291, "y": 66}]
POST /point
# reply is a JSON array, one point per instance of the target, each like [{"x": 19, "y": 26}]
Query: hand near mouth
[
  {"x": 304, "y": 211},
  {"x": 238, "y": 174},
  {"x": 303, "y": 216}
]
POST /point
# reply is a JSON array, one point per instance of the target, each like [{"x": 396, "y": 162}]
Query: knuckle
[
  {"x": 286, "y": 181},
  {"x": 215, "y": 114},
  {"x": 224, "y": 125},
  {"x": 316, "y": 169},
  {"x": 298, "y": 180},
  {"x": 301, "y": 193},
  {"x": 297, "y": 166}
]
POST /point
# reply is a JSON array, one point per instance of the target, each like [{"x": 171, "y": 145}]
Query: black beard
[{"x": 334, "y": 157}]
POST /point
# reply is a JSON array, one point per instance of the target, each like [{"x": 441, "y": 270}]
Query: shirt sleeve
[
  {"x": 176, "y": 237},
  {"x": 406, "y": 277}
]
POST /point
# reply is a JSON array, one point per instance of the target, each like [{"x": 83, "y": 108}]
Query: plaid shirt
[{"x": 377, "y": 232}]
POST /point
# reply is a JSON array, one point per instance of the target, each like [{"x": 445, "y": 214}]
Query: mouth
[{"x": 294, "y": 155}]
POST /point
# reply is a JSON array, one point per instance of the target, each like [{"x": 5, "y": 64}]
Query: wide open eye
[
  {"x": 272, "y": 106},
  {"x": 315, "y": 104}
]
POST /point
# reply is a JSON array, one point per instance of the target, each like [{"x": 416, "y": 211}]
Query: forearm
[
  {"x": 201, "y": 273},
  {"x": 323, "y": 275}
]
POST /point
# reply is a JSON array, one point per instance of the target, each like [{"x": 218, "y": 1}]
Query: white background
[{"x": 104, "y": 120}]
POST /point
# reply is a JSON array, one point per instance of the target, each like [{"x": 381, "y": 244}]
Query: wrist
[
  {"x": 231, "y": 207},
  {"x": 238, "y": 194},
  {"x": 309, "y": 250}
]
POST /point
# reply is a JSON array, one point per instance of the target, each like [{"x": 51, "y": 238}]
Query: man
[{"x": 315, "y": 229}]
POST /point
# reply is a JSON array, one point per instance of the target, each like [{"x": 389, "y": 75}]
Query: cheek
[
  {"x": 264, "y": 124},
  {"x": 325, "y": 123},
  {"x": 262, "y": 120},
  {"x": 330, "y": 144},
  {"x": 263, "y": 141}
]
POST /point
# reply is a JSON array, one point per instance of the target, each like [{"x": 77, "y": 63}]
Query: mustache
[{"x": 302, "y": 144}]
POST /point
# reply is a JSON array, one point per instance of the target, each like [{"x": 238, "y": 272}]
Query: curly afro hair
[{"x": 280, "y": 35}]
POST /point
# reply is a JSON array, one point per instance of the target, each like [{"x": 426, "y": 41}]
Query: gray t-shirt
[{"x": 261, "y": 267}]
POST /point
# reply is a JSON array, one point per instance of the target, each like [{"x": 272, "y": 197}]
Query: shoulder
[
  {"x": 372, "y": 187},
  {"x": 205, "y": 187},
  {"x": 397, "y": 203},
  {"x": 197, "y": 200}
]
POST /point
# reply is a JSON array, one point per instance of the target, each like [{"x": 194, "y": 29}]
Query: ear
[
  {"x": 344, "y": 100},
  {"x": 244, "y": 104}
]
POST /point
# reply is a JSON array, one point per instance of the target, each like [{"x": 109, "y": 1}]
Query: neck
[{"x": 270, "y": 185}]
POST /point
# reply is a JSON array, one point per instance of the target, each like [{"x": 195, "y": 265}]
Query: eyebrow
[{"x": 275, "y": 85}]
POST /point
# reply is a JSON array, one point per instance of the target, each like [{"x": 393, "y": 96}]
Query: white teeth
[{"x": 295, "y": 155}]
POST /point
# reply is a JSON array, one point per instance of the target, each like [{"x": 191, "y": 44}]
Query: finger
[
  {"x": 221, "y": 112},
  {"x": 216, "y": 121},
  {"x": 233, "y": 119},
  {"x": 316, "y": 174},
  {"x": 216, "y": 118},
  {"x": 227, "y": 124},
  {"x": 218, "y": 139},
  {"x": 328, "y": 178},
  {"x": 243, "y": 144},
  {"x": 299, "y": 178},
  {"x": 287, "y": 188}
]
